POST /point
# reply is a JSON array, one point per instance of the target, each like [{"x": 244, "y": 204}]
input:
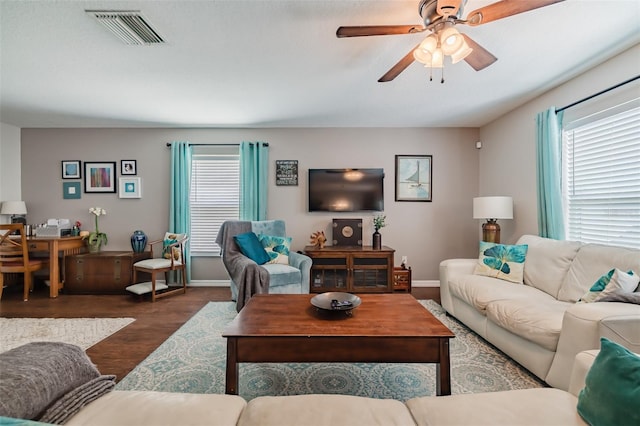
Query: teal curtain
[
  {"x": 179, "y": 209},
  {"x": 549, "y": 174},
  {"x": 254, "y": 174}
]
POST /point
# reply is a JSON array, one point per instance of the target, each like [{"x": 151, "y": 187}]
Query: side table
[{"x": 106, "y": 272}]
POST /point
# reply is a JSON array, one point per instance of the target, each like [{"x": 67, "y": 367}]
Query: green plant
[
  {"x": 379, "y": 222},
  {"x": 96, "y": 237}
]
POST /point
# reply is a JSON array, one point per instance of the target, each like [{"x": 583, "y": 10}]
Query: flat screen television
[{"x": 346, "y": 190}]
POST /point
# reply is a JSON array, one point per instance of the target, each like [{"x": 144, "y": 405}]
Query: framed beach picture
[
  {"x": 413, "y": 177},
  {"x": 100, "y": 177},
  {"x": 130, "y": 187},
  {"x": 71, "y": 170}
]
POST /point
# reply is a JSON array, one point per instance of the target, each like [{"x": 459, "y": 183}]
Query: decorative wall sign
[
  {"x": 413, "y": 177},
  {"x": 71, "y": 190},
  {"x": 71, "y": 170},
  {"x": 287, "y": 172},
  {"x": 130, "y": 187},
  {"x": 100, "y": 177}
]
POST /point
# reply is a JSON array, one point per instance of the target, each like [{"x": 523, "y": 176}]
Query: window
[
  {"x": 215, "y": 195},
  {"x": 602, "y": 176}
]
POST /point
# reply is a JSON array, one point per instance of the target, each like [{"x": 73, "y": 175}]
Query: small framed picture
[
  {"x": 128, "y": 167},
  {"x": 287, "y": 172},
  {"x": 130, "y": 187},
  {"x": 100, "y": 177},
  {"x": 413, "y": 177},
  {"x": 71, "y": 170},
  {"x": 71, "y": 190}
]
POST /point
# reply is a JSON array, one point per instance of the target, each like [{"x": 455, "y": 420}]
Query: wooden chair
[
  {"x": 171, "y": 258},
  {"x": 14, "y": 256}
]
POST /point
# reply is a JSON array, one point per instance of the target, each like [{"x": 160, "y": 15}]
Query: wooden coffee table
[{"x": 384, "y": 328}]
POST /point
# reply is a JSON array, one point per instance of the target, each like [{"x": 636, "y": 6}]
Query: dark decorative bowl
[{"x": 336, "y": 301}]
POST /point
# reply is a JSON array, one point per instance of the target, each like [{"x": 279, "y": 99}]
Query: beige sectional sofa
[
  {"x": 540, "y": 324},
  {"x": 540, "y": 406}
]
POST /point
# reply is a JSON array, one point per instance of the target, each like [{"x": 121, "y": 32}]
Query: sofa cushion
[
  {"x": 142, "y": 408},
  {"x": 479, "y": 291},
  {"x": 543, "y": 406},
  {"x": 319, "y": 410},
  {"x": 612, "y": 387},
  {"x": 538, "y": 321},
  {"x": 282, "y": 274},
  {"x": 590, "y": 263},
  {"x": 547, "y": 262},
  {"x": 501, "y": 261}
]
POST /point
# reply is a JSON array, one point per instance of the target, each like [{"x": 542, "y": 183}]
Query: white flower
[{"x": 98, "y": 211}]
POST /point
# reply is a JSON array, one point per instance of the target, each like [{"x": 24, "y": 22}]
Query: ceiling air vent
[{"x": 128, "y": 25}]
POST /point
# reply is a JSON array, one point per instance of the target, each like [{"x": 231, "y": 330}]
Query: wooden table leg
[
  {"x": 443, "y": 370},
  {"x": 54, "y": 268},
  {"x": 232, "y": 367}
]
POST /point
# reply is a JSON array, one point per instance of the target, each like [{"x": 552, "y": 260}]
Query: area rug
[
  {"x": 83, "y": 332},
  {"x": 193, "y": 360}
]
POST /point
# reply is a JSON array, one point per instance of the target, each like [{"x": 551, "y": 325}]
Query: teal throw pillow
[
  {"x": 612, "y": 387},
  {"x": 167, "y": 251},
  {"x": 612, "y": 281},
  {"x": 277, "y": 248},
  {"x": 250, "y": 246},
  {"x": 502, "y": 261}
]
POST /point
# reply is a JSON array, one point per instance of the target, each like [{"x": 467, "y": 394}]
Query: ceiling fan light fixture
[
  {"x": 437, "y": 59},
  {"x": 461, "y": 53},
  {"x": 451, "y": 40},
  {"x": 429, "y": 44}
]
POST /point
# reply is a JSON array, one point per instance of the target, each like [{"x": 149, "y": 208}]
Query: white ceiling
[{"x": 278, "y": 63}]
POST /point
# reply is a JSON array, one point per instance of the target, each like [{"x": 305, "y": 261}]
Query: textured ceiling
[{"x": 265, "y": 63}]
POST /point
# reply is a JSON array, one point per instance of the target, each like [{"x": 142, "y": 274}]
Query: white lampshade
[
  {"x": 493, "y": 208},
  {"x": 13, "y": 207}
]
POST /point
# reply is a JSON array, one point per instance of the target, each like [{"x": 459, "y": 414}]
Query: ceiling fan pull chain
[{"x": 442, "y": 74}]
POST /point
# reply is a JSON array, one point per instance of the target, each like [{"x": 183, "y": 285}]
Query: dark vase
[
  {"x": 377, "y": 240},
  {"x": 138, "y": 241}
]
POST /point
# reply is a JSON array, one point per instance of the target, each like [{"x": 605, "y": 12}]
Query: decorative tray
[{"x": 336, "y": 301}]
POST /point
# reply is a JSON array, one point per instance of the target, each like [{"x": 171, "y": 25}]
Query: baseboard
[{"x": 425, "y": 283}]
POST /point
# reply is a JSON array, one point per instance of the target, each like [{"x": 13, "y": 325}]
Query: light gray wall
[
  {"x": 424, "y": 232},
  {"x": 508, "y": 155},
  {"x": 10, "y": 189}
]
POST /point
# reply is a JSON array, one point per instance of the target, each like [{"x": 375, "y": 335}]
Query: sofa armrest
[
  {"x": 303, "y": 263},
  {"x": 581, "y": 365},
  {"x": 449, "y": 269},
  {"x": 583, "y": 325}
]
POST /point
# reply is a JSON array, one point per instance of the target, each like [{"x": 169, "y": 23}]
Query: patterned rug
[
  {"x": 193, "y": 360},
  {"x": 83, "y": 332}
]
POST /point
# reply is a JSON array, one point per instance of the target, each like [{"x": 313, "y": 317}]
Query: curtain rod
[
  {"x": 217, "y": 144},
  {"x": 598, "y": 94}
]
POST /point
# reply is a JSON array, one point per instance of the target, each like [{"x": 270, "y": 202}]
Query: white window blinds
[
  {"x": 602, "y": 177},
  {"x": 215, "y": 195}
]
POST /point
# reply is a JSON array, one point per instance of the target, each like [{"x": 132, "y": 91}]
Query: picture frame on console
[
  {"x": 414, "y": 178},
  {"x": 100, "y": 177}
]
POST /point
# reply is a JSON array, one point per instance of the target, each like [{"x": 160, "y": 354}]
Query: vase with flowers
[
  {"x": 378, "y": 223},
  {"x": 96, "y": 239}
]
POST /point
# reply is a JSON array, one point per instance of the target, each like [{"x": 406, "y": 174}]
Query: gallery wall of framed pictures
[{"x": 100, "y": 177}]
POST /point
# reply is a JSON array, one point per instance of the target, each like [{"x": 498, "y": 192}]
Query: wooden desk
[{"x": 55, "y": 245}]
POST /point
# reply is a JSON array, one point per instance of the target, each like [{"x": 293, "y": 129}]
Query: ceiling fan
[{"x": 440, "y": 18}]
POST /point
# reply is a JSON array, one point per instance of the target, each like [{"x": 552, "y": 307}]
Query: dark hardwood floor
[{"x": 155, "y": 322}]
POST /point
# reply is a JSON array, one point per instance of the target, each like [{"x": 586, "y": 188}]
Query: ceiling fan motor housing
[{"x": 431, "y": 13}]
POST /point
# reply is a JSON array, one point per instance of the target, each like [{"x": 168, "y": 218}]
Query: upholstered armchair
[{"x": 281, "y": 271}]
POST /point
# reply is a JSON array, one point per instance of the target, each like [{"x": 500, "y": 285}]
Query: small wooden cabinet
[
  {"x": 107, "y": 272},
  {"x": 402, "y": 279},
  {"x": 355, "y": 269}
]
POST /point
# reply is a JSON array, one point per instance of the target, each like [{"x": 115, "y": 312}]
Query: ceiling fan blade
[
  {"x": 480, "y": 58},
  {"x": 505, "y": 8},
  {"x": 399, "y": 67},
  {"x": 373, "y": 30}
]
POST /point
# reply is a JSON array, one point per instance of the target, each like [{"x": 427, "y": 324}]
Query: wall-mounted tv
[{"x": 346, "y": 190}]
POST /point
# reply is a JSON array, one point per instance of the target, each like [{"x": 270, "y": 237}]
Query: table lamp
[
  {"x": 492, "y": 209},
  {"x": 17, "y": 210}
]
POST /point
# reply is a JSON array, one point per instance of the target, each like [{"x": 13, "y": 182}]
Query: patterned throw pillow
[
  {"x": 277, "y": 248},
  {"x": 502, "y": 261},
  {"x": 613, "y": 281},
  {"x": 167, "y": 252}
]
